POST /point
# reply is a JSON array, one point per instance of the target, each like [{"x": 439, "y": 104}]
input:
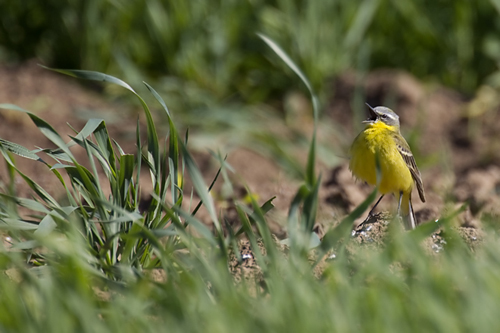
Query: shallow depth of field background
[{"x": 436, "y": 63}]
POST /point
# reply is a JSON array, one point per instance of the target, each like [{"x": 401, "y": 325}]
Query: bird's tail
[{"x": 407, "y": 212}]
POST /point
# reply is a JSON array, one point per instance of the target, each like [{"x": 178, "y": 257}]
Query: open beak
[{"x": 373, "y": 115}]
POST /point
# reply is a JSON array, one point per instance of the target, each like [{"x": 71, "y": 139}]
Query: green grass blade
[
  {"x": 343, "y": 230},
  {"x": 200, "y": 186},
  {"x": 153, "y": 146},
  {"x": 19, "y": 150},
  {"x": 175, "y": 212},
  {"x": 33, "y": 185},
  {"x": 198, "y": 206},
  {"x": 27, "y": 203},
  {"x": 311, "y": 163},
  {"x": 266, "y": 207},
  {"x": 364, "y": 17},
  {"x": 138, "y": 160},
  {"x": 90, "y": 127},
  {"x": 17, "y": 224},
  {"x": 46, "y": 226},
  {"x": 291, "y": 64},
  {"x": 43, "y": 126},
  {"x": 105, "y": 146},
  {"x": 101, "y": 155},
  {"x": 496, "y": 4},
  {"x": 263, "y": 228},
  {"x": 91, "y": 75},
  {"x": 310, "y": 206},
  {"x": 158, "y": 98},
  {"x": 302, "y": 193},
  {"x": 247, "y": 227},
  {"x": 125, "y": 174},
  {"x": 173, "y": 137}
]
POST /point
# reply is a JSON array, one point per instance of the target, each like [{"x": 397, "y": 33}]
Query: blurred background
[
  {"x": 210, "y": 47},
  {"x": 435, "y": 62}
]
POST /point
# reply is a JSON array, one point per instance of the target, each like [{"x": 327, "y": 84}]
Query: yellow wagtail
[{"x": 381, "y": 143}]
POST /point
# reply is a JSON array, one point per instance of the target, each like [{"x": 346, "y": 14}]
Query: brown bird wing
[{"x": 404, "y": 150}]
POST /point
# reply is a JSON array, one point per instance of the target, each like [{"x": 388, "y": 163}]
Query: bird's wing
[{"x": 404, "y": 150}]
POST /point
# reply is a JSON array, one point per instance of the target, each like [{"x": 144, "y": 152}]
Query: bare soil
[{"x": 458, "y": 139}]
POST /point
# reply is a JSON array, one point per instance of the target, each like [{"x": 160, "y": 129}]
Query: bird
[{"x": 380, "y": 155}]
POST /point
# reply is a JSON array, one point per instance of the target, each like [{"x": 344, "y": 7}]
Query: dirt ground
[
  {"x": 457, "y": 138},
  {"x": 458, "y": 141}
]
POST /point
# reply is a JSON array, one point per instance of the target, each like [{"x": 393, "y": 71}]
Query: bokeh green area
[
  {"x": 100, "y": 262},
  {"x": 206, "y": 60},
  {"x": 211, "y": 46}
]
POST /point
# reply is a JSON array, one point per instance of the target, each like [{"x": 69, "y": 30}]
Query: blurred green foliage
[
  {"x": 56, "y": 278},
  {"x": 61, "y": 273},
  {"x": 209, "y": 48}
]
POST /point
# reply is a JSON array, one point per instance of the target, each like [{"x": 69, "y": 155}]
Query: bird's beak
[{"x": 373, "y": 115}]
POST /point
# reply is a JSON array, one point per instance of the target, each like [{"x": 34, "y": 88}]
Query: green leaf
[
  {"x": 198, "y": 206},
  {"x": 302, "y": 193},
  {"x": 266, "y": 207},
  {"x": 200, "y": 186},
  {"x": 125, "y": 174},
  {"x": 90, "y": 126},
  {"x": 91, "y": 75},
  {"x": 311, "y": 162},
  {"x": 158, "y": 98},
  {"x": 291, "y": 64},
  {"x": 314, "y": 241},
  {"x": 17, "y": 224},
  {"x": 173, "y": 151},
  {"x": 19, "y": 150},
  {"x": 8, "y": 106},
  {"x": 343, "y": 230},
  {"x": 33, "y": 185},
  {"x": 310, "y": 206},
  {"x": 43, "y": 126},
  {"x": 263, "y": 228},
  {"x": 364, "y": 17},
  {"x": 27, "y": 203},
  {"x": 46, "y": 226},
  {"x": 197, "y": 225},
  {"x": 247, "y": 227},
  {"x": 105, "y": 147},
  {"x": 153, "y": 146}
]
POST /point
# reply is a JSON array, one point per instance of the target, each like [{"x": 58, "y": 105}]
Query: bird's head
[{"x": 382, "y": 114}]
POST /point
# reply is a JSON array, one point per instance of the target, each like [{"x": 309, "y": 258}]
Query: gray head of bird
[{"x": 382, "y": 114}]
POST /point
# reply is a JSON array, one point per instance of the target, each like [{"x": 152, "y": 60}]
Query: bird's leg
[
  {"x": 399, "y": 204},
  {"x": 370, "y": 214},
  {"x": 378, "y": 201}
]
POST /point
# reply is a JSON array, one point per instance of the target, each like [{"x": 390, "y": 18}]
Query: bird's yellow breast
[{"x": 378, "y": 138}]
